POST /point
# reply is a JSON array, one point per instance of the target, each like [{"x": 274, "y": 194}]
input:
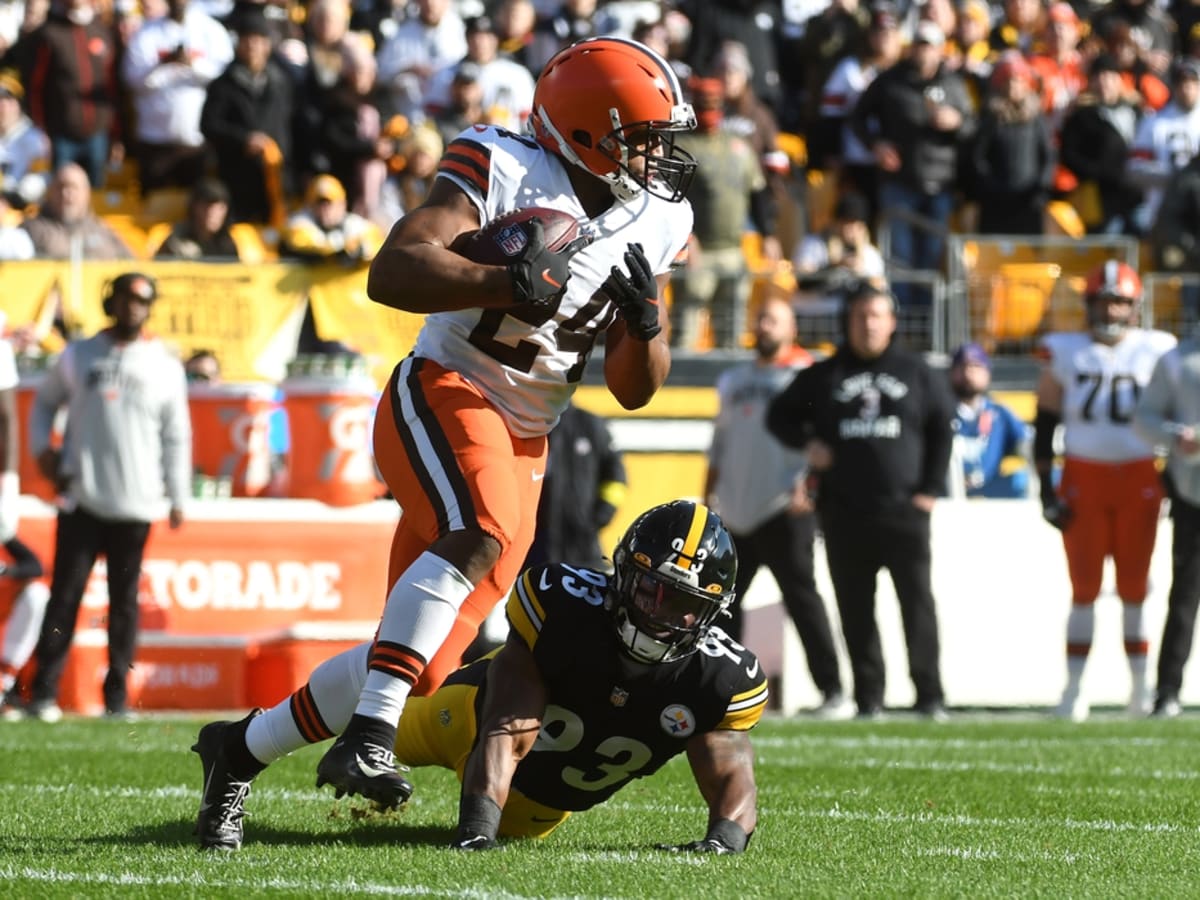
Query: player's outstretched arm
[
  {"x": 416, "y": 271},
  {"x": 723, "y": 764},
  {"x": 637, "y": 357},
  {"x": 512, "y": 716}
]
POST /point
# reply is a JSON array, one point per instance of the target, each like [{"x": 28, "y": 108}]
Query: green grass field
[{"x": 1012, "y": 805}]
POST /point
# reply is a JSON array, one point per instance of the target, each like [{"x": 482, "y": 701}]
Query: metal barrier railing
[
  {"x": 1005, "y": 292},
  {"x": 1172, "y": 302}
]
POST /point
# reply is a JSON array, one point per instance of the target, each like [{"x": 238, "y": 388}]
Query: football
[{"x": 501, "y": 240}]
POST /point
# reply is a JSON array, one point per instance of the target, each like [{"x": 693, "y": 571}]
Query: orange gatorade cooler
[
  {"x": 229, "y": 433},
  {"x": 32, "y": 480},
  {"x": 329, "y": 418}
]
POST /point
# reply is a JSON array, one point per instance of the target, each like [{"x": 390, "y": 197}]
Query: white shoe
[
  {"x": 46, "y": 712},
  {"x": 1140, "y": 705},
  {"x": 1074, "y": 708},
  {"x": 836, "y": 708}
]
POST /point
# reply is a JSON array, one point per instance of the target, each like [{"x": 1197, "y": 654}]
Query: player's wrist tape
[
  {"x": 1044, "y": 425},
  {"x": 729, "y": 833},
  {"x": 478, "y": 815}
]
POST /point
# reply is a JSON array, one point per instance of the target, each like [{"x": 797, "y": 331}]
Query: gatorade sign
[{"x": 247, "y": 565}]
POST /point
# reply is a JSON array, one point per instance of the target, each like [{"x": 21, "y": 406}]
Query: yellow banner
[
  {"x": 249, "y": 316},
  {"x": 29, "y": 292},
  {"x": 342, "y": 311}
]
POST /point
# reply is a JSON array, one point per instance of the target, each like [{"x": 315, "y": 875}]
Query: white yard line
[
  {"x": 312, "y": 886},
  {"x": 980, "y": 765},
  {"x": 883, "y": 816}
]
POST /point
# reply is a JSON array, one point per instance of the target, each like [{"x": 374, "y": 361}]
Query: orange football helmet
[
  {"x": 1112, "y": 280},
  {"x": 605, "y": 101}
]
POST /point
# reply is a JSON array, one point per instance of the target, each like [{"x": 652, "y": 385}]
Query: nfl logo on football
[{"x": 511, "y": 240}]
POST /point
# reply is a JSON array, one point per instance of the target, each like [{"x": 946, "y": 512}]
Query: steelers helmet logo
[{"x": 678, "y": 721}]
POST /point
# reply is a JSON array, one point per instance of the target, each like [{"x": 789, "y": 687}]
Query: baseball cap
[
  {"x": 479, "y": 25},
  {"x": 971, "y": 354},
  {"x": 467, "y": 71},
  {"x": 252, "y": 20},
  {"x": 210, "y": 190},
  {"x": 1104, "y": 62},
  {"x": 10, "y": 83},
  {"x": 326, "y": 187},
  {"x": 852, "y": 207},
  {"x": 1187, "y": 68},
  {"x": 930, "y": 33}
]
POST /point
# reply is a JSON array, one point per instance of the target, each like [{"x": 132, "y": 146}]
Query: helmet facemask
[
  {"x": 1102, "y": 325},
  {"x": 659, "y": 619},
  {"x": 668, "y": 169}
]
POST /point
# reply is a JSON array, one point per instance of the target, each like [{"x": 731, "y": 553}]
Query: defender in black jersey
[
  {"x": 571, "y": 708},
  {"x": 601, "y": 681}
]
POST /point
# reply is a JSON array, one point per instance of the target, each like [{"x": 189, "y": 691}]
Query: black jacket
[
  {"x": 236, "y": 106},
  {"x": 893, "y": 108},
  {"x": 887, "y": 421},
  {"x": 1176, "y": 235},
  {"x": 581, "y": 468},
  {"x": 1094, "y": 150}
]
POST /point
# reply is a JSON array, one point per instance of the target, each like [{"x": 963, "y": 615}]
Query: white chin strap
[{"x": 622, "y": 186}]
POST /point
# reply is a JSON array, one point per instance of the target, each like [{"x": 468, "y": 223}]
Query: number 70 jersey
[{"x": 1101, "y": 385}]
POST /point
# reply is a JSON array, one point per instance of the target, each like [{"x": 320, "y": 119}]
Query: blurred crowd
[{"x": 321, "y": 122}]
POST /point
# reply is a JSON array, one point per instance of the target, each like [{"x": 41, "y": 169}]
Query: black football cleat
[
  {"x": 366, "y": 769},
  {"x": 223, "y": 800}
]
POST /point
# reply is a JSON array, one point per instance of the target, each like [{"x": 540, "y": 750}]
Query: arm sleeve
[
  {"x": 177, "y": 443},
  {"x": 790, "y": 417},
  {"x": 1155, "y": 406},
  {"x": 939, "y": 436},
  {"x": 51, "y": 396}
]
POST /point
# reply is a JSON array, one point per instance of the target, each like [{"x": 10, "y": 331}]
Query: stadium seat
[
  {"x": 1017, "y": 302},
  {"x": 126, "y": 225}
]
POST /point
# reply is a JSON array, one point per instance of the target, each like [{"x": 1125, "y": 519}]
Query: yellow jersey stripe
[
  {"x": 525, "y": 613},
  {"x": 745, "y": 709},
  {"x": 687, "y": 556}
]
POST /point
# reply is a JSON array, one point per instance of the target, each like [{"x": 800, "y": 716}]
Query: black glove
[
  {"x": 539, "y": 275},
  {"x": 708, "y": 845},
  {"x": 1054, "y": 510},
  {"x": 635, "y": 295},
  {"x": 473, "y": 842}
]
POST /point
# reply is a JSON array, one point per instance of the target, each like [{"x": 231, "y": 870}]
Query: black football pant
[
  {"x": 784, "y": 544},
  {"x": 856, "y": 548},
  {"x": 1183, "y": 598},
  {"x": 79, "y": 539}
]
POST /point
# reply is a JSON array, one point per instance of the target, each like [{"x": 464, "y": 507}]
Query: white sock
[
  {"x": 1136, "y": 641},
  {"x": 333, "y": 687},
  {"x": 420, "y": 611},
  {"x": 25, "y": 624},
  {"x": 1081, "y": 624}
]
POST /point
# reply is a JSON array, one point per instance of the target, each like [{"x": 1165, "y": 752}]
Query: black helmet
[{"x": 675, "y": 570}]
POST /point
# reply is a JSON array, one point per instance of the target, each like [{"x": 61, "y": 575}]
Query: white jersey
[
  {"x": 528, "y": 367},
  {"x": 1101, "y": 385},
  {"x": 839, "y": 97},
  {"x": 1165, "y": 142}
]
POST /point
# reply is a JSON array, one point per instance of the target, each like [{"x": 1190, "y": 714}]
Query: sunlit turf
[{"x": 983, "y": 805}]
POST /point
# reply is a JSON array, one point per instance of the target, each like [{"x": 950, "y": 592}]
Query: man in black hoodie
[{"x": 875, "y": 420}]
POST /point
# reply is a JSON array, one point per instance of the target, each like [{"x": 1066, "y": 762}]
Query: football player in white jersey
[
  {"x": 460, "y": 435},
  {"x": 1107, "y": 503}
]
